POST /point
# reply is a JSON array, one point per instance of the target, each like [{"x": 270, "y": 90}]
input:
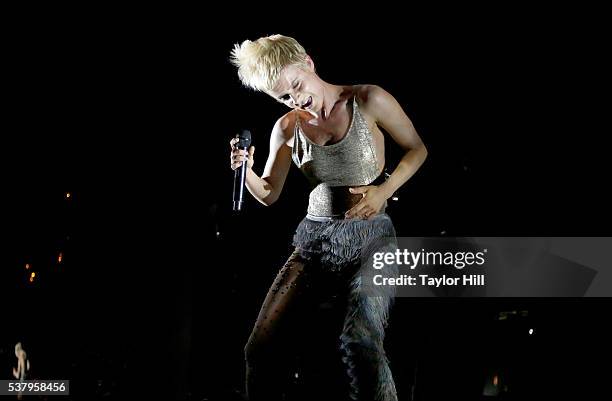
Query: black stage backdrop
[{"x": 159, "y": 283}]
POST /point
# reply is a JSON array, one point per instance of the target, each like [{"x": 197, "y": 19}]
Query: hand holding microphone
[
  {"x": 242, "y": 152},
  {"x": 239, "y": 154}
]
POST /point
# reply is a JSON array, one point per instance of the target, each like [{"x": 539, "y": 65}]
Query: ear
[{"x": 310, "y": 63}]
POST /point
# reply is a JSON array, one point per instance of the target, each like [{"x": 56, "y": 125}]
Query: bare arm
[
  {"x": 267, "y": 188},
  {"x": 389, "y": 115}
]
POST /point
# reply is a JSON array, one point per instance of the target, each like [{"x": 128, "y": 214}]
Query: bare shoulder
[
  {"x": 371, "y": 95},
  {"x": 283, "y": 128},
  {"x": 374, "y": 100}
]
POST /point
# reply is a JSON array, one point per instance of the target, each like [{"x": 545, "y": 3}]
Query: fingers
[
  {"x": 369, "y": 214},
  {"x": 360, "y": 190},
  {"x": 360, "y": 210},
  {"x": 363, "y": 209},
  {"x": 239, "y": 156}
]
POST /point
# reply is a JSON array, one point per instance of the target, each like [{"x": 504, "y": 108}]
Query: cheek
[{"x": 314, "y": 91}]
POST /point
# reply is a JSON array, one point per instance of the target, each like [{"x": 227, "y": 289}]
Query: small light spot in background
[{"x": 530, "y": 331}]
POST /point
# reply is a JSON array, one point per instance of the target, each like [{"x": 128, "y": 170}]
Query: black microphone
[{"x": 244, "y": 141}]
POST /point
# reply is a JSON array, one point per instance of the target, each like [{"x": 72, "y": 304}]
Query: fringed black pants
[{"x": 327, "y": 253}]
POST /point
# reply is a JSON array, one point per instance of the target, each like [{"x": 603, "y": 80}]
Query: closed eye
[{"x": 294, "y": 85}]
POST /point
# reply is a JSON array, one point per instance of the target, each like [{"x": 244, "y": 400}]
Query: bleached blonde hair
[{"x": 260, "y": 62}]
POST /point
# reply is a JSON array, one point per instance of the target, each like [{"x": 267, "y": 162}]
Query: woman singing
[{"x": 334, "y": 135}]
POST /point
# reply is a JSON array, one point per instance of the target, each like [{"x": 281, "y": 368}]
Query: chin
[{"x": 315, "y": 108}]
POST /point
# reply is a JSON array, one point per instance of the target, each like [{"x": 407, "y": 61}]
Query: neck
[{"x": 331, "y": 95}]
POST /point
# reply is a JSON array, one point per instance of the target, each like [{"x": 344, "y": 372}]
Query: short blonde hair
[{"x": 261, "y": 62}]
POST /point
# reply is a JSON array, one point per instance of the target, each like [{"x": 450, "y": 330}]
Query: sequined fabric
[
  {"x": 332, "y": 169},
  {"x": 326, "y": 243}
]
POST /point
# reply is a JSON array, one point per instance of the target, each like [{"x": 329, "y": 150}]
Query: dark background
[{"x": 160, "y": 284}]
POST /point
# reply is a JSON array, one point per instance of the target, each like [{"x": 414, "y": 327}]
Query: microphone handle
[{"x": 239, "y": 184}]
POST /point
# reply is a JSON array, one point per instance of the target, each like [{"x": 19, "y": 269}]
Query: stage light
[
  {"x": 530, "y": 331},
  {"x": 27, "y": 266},
  {"x": 60, "y": 257}
]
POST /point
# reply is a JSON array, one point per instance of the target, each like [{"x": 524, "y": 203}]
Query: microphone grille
[{"x": 244, "y": 138}]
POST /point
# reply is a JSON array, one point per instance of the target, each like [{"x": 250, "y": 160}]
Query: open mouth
[{"x": 308, "y": 103}]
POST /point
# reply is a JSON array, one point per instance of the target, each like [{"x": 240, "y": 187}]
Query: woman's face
[{"x": 299, "y": 87}]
